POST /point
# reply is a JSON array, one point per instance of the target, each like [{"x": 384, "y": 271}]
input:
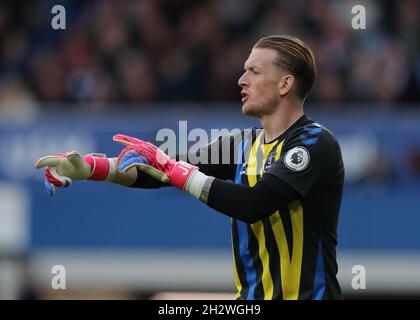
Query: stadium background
[{"x": 138, "y": 66}]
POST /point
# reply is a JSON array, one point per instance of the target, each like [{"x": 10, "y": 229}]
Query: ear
[{"x": 285, "y": 84}]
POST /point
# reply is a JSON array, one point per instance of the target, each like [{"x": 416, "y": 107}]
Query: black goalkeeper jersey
[
  {"x": 287, "y": 252},
  {"x": 290, "y": 254}
]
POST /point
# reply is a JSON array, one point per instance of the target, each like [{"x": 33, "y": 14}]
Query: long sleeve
[{"x": 250, "y": 204}]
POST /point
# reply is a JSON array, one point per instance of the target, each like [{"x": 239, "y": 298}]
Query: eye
[{"x": 254, "y": 71}]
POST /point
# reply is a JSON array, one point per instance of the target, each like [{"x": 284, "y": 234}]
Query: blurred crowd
[{"x": 126, "y": 52}]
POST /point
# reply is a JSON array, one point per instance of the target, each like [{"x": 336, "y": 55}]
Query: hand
[
  {"x": 150, "y": 159},
  {"x": 61, "y": 169}
]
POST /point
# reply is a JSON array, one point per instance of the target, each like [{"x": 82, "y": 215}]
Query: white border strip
[{"x": 205, "y": 271}]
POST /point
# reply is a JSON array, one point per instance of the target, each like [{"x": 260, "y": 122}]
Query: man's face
[{"x": 260, "y": 83}]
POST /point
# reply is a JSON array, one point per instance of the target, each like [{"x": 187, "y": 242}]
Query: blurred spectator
[
  {"x": 48, "y": 74},
  {"x": 136, "y": 78},
  {"x": 184, "y": 50},
  {"x": 16, "y": 100}
]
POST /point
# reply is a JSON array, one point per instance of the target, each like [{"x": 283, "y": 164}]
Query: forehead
[{"x": 261, "y": 57}]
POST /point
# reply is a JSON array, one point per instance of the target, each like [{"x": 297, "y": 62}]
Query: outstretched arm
[
  {"x": 62, "y": 169},
  {"x": 248, "y": 204}
]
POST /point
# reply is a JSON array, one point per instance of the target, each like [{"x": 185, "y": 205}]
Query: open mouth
[{"x": 245, "y": 96}]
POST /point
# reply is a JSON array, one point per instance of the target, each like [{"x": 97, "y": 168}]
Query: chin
[{"x": 249, "y": 110}]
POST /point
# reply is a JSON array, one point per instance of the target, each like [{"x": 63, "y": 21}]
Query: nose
[{"x": 243, "y": 81}]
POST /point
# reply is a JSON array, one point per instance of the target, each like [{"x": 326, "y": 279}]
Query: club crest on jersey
[
  {"x": 270, "y": 160},
  {"x": 297, "y": 159}
]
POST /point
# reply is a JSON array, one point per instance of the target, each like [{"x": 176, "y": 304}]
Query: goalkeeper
[{"x": 287, "y": 178}]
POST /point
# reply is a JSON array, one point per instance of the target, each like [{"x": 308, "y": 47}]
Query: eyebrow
[{"x": 250, "y": 67}]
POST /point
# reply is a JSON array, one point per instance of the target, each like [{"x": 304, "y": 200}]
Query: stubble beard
[{"x": 264, "y": 108}]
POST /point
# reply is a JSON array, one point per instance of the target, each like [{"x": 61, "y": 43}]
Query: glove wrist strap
[
  {"x": 103, "y": 169},
  {"x": 180, "y": 174}
]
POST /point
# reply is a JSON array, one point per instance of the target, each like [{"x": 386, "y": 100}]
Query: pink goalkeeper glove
[
  {"x": 150, "y": 159},
  {"x": 62, "y": 168}
]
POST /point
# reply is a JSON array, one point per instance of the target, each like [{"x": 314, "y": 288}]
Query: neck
[{"x": 281, "y": 120}]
